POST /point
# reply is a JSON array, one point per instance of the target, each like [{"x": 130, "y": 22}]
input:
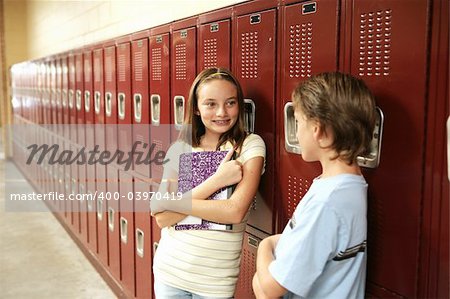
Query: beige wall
[{"x": 56, "y": 26}]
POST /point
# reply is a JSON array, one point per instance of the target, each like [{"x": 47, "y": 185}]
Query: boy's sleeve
[{"x": 303, "y": 251}]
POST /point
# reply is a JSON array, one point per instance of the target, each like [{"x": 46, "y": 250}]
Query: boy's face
[{"x": 305, "y": 136}]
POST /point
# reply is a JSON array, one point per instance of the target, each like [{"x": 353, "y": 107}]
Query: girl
[{"x": 203, "y": 263}]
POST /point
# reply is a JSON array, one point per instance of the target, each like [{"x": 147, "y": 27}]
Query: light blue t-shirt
[{"x": 322, "y": 251}]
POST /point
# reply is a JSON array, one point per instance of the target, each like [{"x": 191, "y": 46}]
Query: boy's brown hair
[
  {"x": 342, "y": 104},
  {"x": 236, "y": 135}
]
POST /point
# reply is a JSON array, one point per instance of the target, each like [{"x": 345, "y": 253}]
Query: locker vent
[
  {"x": 138, "y": 66},
  {"x": 300, "y": 50},
  {"x": 210, "y": 53},
  {"x": 97, "y": 69},
  {"x": 108, "y": 68},
  {"x": 248, "y": 269},
  {"x": 375, "y": 43},
  {"x": 180, "y": 62},
  {"x": 249, "y": 55},
  {"x": 297, "y": 188},
  {"x": 121, "y": 68},
  {"x": 156, "y": 64}
]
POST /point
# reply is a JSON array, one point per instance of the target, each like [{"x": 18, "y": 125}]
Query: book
[{"x": 195, "y": 168}]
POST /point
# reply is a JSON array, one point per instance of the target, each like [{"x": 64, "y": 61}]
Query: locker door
[
  {"x": 308, "y": 46},
  {"x": 100, "y": 170},
  {"x": 143, "y": 243},
  {"x": 126, "y": 224},
  {"x": 53, "y": 170},
  {"x": 215, "y": 45},
  {"x": 254, "y": 47},
  {"x": 112, "y": 185},
  {"x": 141, "y": 107},
  {"x": 66, "y": 130},
  {"x": 183, "y": 72},
  {"x": 124, "y": 99},
  {"x": 160, "y": 107},
  {"x": 59, "y": 168},
  {"x": 389, "y": 52}
]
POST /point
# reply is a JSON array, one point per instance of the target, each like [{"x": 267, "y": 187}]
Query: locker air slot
[
  {"x": 121, "y": 105},
  {"x": 155, "y": 108},
  {"x": 123, "y": 230},
  {"x": 290, "y": 130},
  {"x": 255, "y": 19},
  {"x": 97, "y": 97},
  {"x": 100, "y": 209},
  {"x": 111, "y": 219},
  {"x": 78, "y": 99},
  {"x": 108, "y": 99},
  {"x": 372, "y": 159},
  {"x": 137, "y": 107},
  {"x": 249, "y": 115},
  {"x": 87, "y": 100},
  {"x": 309, "y": 8},
  {"x": 140, "y": 242},
  {"x": 178, "y": 103}
]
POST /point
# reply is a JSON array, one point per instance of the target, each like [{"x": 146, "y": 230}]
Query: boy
[{"x": 322, "y": 250}]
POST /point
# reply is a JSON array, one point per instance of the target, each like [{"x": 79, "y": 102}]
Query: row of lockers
[{"x": 397, "y": 47}]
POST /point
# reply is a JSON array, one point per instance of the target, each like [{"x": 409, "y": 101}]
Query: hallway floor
[{"x": 38, "y": 259}]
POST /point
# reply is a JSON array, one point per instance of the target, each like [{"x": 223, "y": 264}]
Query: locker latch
[
  {"x": 178, "y": 103},
  {"x": 140, "y": 242},
  {"x": 121, "y": 105},
  {"x": 123, "y": 230},
  {"x": 100, "y": 209},
  {"x": 372, "y": 159},
  {"x": 214, "y": 27},
  {"x": 137, "y": 107},
  {"x": 249, "y": 115},
  {"x": 290, "y": 130},
  {"x": 155, "y": 108},
  {"x": 308, "y": 8},
  {"x": 111, "y": 219},
  {"x": 97, "y": 97},
  {"x": 255, "y": 19},
  {"x": 78, "y": 100},
  {"x": 87, "y": 100},
  {"x": 71, "y": 99}
]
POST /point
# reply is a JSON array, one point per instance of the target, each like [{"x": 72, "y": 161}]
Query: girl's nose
[{"x": 221, "y": 110}]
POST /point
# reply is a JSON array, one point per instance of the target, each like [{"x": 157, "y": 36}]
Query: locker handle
[
  {"x": 78, "y": 99},
  {"x": 111, "y": 219},
  {"x": 108, "y": 99},
  {"x": 178, "y": 104},
  {"x": 123, "y": 230},
  {"x": 372, "y": 159},
  {"x": 97, "y": 97},
  {"x": 140, "y": 242},
  {"x": 137, "y": 107},
  {"x": 64, "y": 98},
  {"x": 255, "y": 19},
  {"x": 121, "y": 105},
  {"x": 155, "y": 109},
  {"x": 87, "y": 100},
  {"x": 249, "y": 115},
  {"x": 100, "y": 209},
  {"x": 70, "y": 98},
  {"x": 309, "y": 8},
  {"x": 290, "y": 130}
]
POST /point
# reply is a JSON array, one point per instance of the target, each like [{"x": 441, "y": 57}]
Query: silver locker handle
[
  {"x": 97, "y": 97},
  {"x": 100, "y": 209},
  {"x": 108, "y": 102},
  {"x": 123, "y": 230},
  {"x": 178, "y": 105},
  {"x": 111, "y": 219},
  {"x": 64, "y": 98},
  {"x": 121, "y": 105},
  {"x": 249, "y": 115},
  {"x": 78, "y": 100},
  {"x": 372, "y": 159},
  {"x": 155, "y": 109},
  {"x": 137, "y": 107},
  {"x": 87, "y": 100},
  {"x": 290, "y": 130},
  {"x": 70, "y": 98},
  {"x": 140, "y": 242}
]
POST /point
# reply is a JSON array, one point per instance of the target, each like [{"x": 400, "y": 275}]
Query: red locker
[
  {"x": 389, "y": 52},
  {"x": 66, "y": 130},
  {"x": 59, "y": 121},
  {"x": 73, "y": 175},
  {"x": 126, "y": 224},
  {"x": 160, "y": 103},
  {"x": 254, "y": 47},
  {"x": 141, "y": 107},
  {"x": 307, "y": 47},
  {"x": 215, "y": 39},
  {"x": 183, "y": 68},
  {"x": 100, "y": 170},
  {"x": 112, "y": 185},
  {"x": 143, "y": 238}
]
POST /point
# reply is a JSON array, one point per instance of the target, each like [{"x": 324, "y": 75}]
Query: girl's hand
[{"x": 229, "y": 172}]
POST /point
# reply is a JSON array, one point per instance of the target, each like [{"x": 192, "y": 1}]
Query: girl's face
[
  {"x": 218, "y": 106},
  {"x": 305, "y": 136}
]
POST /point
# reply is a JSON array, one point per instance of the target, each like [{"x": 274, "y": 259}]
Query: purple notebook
[{"x": 195, "y": 168}]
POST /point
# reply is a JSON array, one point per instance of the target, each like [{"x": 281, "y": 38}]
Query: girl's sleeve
[{"x": 253, "y": 146}]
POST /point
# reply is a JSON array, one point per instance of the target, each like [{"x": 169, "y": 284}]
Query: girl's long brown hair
[{"x": 236, "y": 135}]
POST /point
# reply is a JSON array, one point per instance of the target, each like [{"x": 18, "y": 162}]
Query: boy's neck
[{"x": 337, "y": 166}]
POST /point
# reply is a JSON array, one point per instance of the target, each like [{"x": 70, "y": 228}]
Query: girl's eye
[
  {"x": 210, "y": 104},
  {"x": 231, "y": 103}
]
